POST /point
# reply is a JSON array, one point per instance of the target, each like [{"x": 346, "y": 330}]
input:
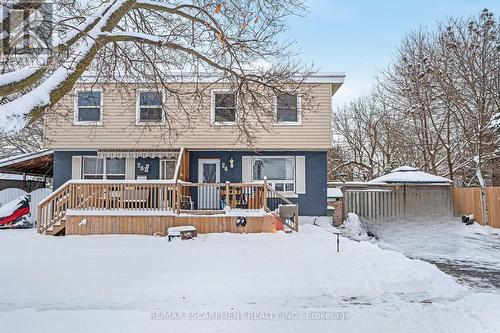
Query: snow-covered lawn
[
  {"x": 259, "y": 282},
  {"x": 470, "y": 253}
]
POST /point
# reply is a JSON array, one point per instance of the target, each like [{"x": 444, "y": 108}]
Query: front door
[{"x": 209, "y": 174}]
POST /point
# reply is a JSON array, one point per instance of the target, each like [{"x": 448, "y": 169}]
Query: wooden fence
[
  {"x": 394, "y": 201},
  {"x": 468, "y": 201}
]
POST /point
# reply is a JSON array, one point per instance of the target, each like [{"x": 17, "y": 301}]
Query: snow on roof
[
  {"x": 405, "y": 168},
  {"x": 334, "y": 192},
  {"x": 23, "y": 157},
  {"x": 208, "y": 77},
  {"x": 407, "y": 174}
]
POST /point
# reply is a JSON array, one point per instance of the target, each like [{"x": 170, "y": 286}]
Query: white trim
[
  {"x": 138, "y": 112},
  {"x": 191, "y": 77},
  {"x": 299, "y": 112},
  {"x": 104, "y": 173},
  {"x": 209, "y": 196},
  {"x": 300, "y": 170},
  {"x": 167, "y": 160},
  {"x": 76, "y": 109},
  {"x": 212, "y": 108},
  {"x": 200, "y": 169}
]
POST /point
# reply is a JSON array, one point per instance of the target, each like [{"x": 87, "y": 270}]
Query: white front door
[{"x": 208, "y": 173}]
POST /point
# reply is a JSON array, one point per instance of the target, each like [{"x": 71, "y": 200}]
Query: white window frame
[
  {"x": 138, "y": 108},
  {"x": 212, "y": 107},
  {"x": 161, "y": 165},
  {"x": 104, "y": 174},
  {"x": 76, "y": 109},
  {"x": 115, "y": 174},
  {"x": 299, "y": 111},
  {"x": 93, "y": 157},
  {"x": 273, "y": 182}
]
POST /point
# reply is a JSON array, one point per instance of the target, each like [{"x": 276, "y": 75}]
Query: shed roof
[{"x": 408, "y": 174}]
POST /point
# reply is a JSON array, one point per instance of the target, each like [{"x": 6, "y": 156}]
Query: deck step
[{"x": 57, "y": 229}]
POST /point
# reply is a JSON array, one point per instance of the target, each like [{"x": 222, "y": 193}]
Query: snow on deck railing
[{"x": 123, "y": 181}]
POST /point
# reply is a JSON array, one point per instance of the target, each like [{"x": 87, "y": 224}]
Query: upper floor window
[
  {"x": 99, "y": 168},
  {"x": 288, "y": 109},
  {"x": 88, "y": 107},
  {"x": 224, "y": 106},
  {"x": 149, "y": 107}
]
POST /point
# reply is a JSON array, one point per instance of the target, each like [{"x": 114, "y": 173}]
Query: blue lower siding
[
  {"x": 62, "y": 165},
  {"x": 312, "y": 203}
]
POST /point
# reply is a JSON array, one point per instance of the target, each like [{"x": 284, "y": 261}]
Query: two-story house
[{"x": 109, "y": 139}]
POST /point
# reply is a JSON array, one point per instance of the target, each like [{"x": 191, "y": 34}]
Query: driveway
[{"x": 469, "y": 253}]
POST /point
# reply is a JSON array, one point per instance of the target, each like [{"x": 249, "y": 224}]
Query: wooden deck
[
  {"x": 90, "y": 207},
  {"x": 151, "y": 225}
]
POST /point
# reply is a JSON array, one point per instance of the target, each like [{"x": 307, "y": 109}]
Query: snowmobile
[{"x": 16, "y": 214}]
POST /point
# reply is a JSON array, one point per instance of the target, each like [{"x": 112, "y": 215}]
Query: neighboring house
[{"x": 104, "y": 134}]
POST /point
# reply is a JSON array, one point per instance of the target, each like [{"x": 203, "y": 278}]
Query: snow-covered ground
[
  {"x": 470, "y": 253},
  {"x": 226, "y": 283}
]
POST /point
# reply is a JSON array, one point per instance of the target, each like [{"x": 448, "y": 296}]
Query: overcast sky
[{"x": 359, "y": 36}]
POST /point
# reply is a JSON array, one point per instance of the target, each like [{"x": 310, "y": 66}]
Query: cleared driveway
[{"x": 469, "y": 253}]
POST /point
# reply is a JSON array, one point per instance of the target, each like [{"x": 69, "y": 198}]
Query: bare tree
[
  {"x": 154, "y": 42},
  {"x": 440, "y": 95}
]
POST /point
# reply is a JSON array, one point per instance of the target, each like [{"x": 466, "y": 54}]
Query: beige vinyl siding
[{"x": 119, "y": 129}]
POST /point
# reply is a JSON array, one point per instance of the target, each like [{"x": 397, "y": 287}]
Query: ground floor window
[
  {"x": 167, "y": 169},
  {"x": 280, "y": 172},
  {"x": 100, "y": 168},
  {"x": 114, "y": 168}
]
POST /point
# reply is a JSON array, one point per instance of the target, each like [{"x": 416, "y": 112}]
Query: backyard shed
[
  {"x": 410, "y": 175},
  {"x": 404, "y": 192}
]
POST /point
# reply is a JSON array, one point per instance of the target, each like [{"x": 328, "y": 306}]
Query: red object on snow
[
  {"x": 14, "y": 210},
  {"x": 277, "y": 223}
]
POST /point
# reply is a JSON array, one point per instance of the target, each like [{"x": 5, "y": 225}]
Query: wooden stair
[{"x": 58, "y": 229}]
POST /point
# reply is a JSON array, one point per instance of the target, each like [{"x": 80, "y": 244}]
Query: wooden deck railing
[
  {"x": 287, "y": 210},
  {"x": 216, "y": 196},
  {"x": 161, "y": 195},
  {"x": 105, "y": 194}
]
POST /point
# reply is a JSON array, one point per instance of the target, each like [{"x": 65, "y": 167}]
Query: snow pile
[{"x": 354, "y": 228}]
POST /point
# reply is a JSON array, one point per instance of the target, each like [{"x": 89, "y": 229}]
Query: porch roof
[
  {"x": 133, "y": 153},
  {"x": 38, "y": 163}
]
